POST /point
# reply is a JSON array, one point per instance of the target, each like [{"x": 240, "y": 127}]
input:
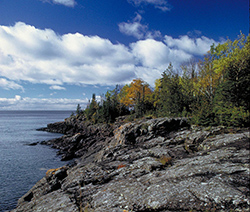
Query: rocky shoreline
[{"x": 142, "y": 166}]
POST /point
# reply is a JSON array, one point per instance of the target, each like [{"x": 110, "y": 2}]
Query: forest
[{"x": 210, "y": 92}]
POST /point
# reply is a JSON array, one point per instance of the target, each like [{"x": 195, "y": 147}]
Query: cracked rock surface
[{"x": 149, "y": 165}]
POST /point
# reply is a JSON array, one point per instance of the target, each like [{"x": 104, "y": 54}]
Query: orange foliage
[{"x": 137, "y": 88}]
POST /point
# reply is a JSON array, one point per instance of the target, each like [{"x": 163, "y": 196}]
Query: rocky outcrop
[
  {"x": 80, "y": 139},
  {"x": 150, "y": 165}
]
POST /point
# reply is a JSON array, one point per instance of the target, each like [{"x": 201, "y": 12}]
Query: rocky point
[{"x": 149, "y": 165}]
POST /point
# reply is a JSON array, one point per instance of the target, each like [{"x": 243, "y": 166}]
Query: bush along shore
[{"x": 160, "y": 164}]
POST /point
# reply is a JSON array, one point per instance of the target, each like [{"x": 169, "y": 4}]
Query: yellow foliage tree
[
  {"x": 156, "y": 94},
  {"x": 137, "y": 90}
]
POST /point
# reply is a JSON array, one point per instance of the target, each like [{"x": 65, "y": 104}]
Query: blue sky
[{"x": 55, "y": 53}]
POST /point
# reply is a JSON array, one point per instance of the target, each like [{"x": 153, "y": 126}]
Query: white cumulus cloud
[
  {"x": 42, "y": 56},
  {"x": 196, "y": 46},
  {"x": 153, "y": 57},
  {"x": 137, "y": 29},
  {"x": 29, "y": 54},
  {"x": 134, "y": 28}
]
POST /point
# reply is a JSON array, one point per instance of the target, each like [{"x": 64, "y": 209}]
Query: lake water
[{"x": 21, "y": 165}]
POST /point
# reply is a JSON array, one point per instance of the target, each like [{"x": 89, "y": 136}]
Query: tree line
[{"x": 212, "y": 91}]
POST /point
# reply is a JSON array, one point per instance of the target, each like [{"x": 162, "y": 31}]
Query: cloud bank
[
  {"x": 42, "y": 56},
  {"x": 19, "y": 103}
]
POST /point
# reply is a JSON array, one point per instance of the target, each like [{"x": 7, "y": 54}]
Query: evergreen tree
[
  {"x": 171, "y": 97},
  {"x": 188, "y": 82},
  {"x": 214, "y": 91},
  {"x": 92, "y": 110},
  {"x": 224, "y": 85},
  {"x": 78, "y": 109},
  {"x": 232, "y": 97}
]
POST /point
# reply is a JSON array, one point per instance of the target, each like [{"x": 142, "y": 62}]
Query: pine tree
[
  {"x": 78, "y": 109},
  {"x": 171, "y": 97}
]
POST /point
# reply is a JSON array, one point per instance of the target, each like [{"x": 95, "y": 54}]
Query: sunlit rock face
[{"x": 149, "y": 165}]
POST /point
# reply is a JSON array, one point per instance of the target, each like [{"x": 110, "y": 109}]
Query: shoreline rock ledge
[{"x": 151, "y": 165}]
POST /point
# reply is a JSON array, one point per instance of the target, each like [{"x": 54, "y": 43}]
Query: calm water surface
[{"x": 21, "y": 165}]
